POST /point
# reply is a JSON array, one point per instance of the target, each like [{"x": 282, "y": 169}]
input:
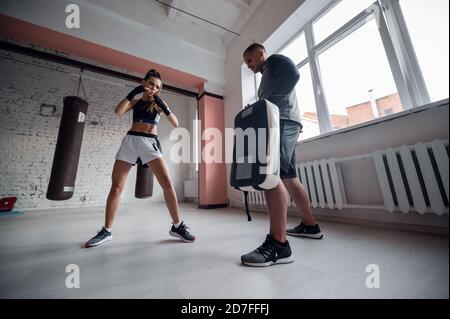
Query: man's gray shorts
[{"x": 289, "y": 133}]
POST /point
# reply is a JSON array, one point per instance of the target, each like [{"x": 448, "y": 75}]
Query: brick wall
[
  {"x": 363, "y": 112},
  {"x": 27, "y": 139},
  {"x": 388, "y": 104},
  {"x": 359, "y": 113}
]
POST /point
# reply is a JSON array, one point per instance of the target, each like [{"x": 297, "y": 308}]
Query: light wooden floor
[{"x": 143, "y": 261}]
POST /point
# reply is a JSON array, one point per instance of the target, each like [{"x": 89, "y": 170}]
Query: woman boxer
[{"x": 141, "y": 145}]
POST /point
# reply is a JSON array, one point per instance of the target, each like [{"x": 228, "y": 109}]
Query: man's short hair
[{"x": 253, "y": 47}]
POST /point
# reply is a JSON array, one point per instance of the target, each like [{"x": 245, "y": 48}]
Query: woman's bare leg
[
  {"x": 161, "y": 172},
  {"x": 119, "y": 178}
]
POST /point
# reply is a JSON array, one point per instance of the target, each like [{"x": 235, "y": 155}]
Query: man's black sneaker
[
  {"x": 269, "y": 253},
  {"x": 303, "y": 230},
  {"x": 182, "y": 233},
  {"x": 102, "y": 237}
]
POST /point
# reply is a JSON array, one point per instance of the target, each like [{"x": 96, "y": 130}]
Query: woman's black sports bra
[{"x": 143, "y": 114}]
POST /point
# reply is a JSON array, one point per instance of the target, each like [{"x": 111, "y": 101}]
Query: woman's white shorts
[{"x": 137, "y": 145}]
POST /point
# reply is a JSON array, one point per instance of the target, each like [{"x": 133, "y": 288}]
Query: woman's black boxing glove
[
  {"x": 136, "y": 91},
  {"x": 162, "y": 105}
]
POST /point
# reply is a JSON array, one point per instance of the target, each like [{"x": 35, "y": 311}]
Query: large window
[
  {"x": 428, "y": 26},
  {"x": 357, "y": 78},
  {"x": 392, "y": 55}
]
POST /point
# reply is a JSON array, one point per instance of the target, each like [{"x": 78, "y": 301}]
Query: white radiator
[
  {"x": 321, "y": 179},
  {"x": 412, "y": 178},
  {"x": 323, "y": 182},
  {"x": 415, "y": 177}
]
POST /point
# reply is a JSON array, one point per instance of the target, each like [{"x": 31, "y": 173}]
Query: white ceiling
[
  {"x": 230, "y": 14},
  {"x": 149, "y": 30},
  {"x": 222, "y": 12}
]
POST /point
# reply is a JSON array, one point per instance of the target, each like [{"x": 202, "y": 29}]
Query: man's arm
[{"x": 285, "y": 72}]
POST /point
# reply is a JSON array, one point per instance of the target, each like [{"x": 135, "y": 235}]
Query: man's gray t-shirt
[{"x": 280, "y": 76}]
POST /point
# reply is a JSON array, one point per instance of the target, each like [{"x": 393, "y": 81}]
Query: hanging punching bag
[
  {"x": 144, "y": 181},
  {"x": 67, "y": 152}
]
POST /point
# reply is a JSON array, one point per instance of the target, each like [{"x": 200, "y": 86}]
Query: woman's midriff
[{"x": 145, "y": 128}]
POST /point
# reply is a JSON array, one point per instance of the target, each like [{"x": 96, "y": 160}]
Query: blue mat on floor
[{"x": 11, "y": 213}]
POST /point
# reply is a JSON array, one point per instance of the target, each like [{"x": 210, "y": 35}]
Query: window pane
[
  {"x": 258, "y": 77},
  {"x": 307, "y": 104},
  {"x": 357, "y": 79},
  {"x": 428, "y": 26},
  {"x": 249, "y": 91},
  {"x": 296, "y": 50},
  {"x": 339, "y": 15}
]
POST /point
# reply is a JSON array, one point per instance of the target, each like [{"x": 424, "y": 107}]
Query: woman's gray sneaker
[
  {"x": 182, "y": 233},
  {"x": 102, "y": 236}
]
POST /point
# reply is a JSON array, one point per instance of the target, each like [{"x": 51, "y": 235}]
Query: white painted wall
[
  {"x": 27, "y": 140},
  {"x": 148, "y": 34}
]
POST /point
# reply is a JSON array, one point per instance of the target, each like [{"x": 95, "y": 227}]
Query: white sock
[
  {"x": 177, "y": 225},
  {"x": 108, "y": 229}
]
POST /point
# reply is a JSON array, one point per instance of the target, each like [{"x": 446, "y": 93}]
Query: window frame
[{"x": 404, "y": 48}]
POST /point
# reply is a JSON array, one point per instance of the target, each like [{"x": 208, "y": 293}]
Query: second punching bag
[
  {"x": 67, "y": 153},
  {"x": 144, "y": 181}
]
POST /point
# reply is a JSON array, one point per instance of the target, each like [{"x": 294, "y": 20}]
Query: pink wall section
[
  {"x": 47, "y": 38},
  {"x": 213, "y": 176}
]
